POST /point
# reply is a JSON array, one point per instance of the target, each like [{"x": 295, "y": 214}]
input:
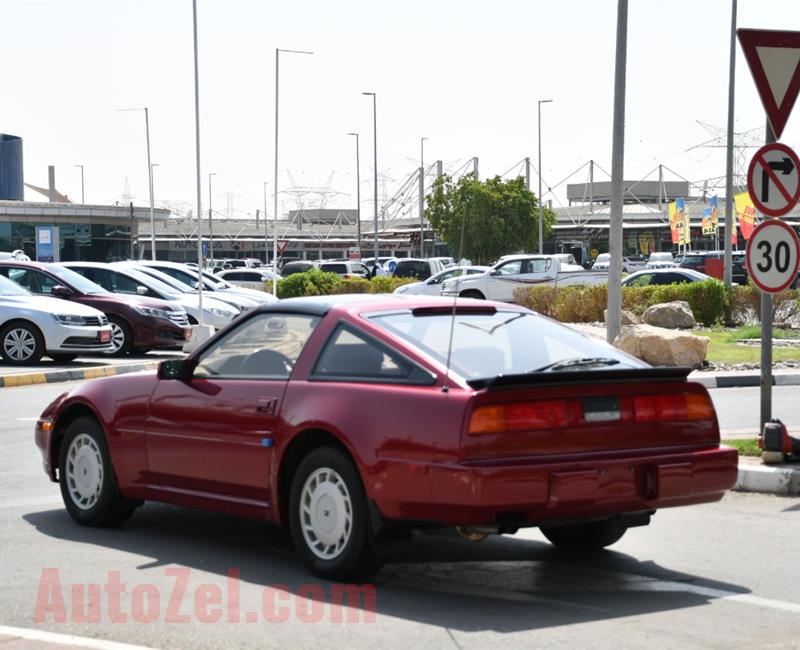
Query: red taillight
[
  {"x": 557, "y": 414},
  {"x": 525, "y": 416},
  {"x": 676, "y": 407}
]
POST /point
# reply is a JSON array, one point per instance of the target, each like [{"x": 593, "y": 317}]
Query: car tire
[
  {"x": 59, "y": 357},
  {"x": 86, "y": 476},
  {"x": 121, "y": 337},
  {"x": 328, "y": 516},
  {"x": 472, "y": 293},
  {"x": 592, "y": 536},
  {"x": 21, "y": 343}
]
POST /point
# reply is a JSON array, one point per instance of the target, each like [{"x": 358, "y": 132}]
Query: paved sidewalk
[
  {"x": 754, "y": 476},
  {"x": 48, "y": 372}
]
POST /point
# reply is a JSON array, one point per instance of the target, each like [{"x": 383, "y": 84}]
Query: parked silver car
[{"x": 34, "y": 326}]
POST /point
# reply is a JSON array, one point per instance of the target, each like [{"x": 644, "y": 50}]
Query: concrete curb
[
  {"x": 783, "y": 481},
  {"x": 710, "y": 380},
  {"x": 55, "y": 376}
]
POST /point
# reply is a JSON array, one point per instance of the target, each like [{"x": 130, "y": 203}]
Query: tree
[{"x": 501, "y": 217}]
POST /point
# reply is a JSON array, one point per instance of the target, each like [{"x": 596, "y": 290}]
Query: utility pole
[
  {"x": 541, "y": 221},
  {"x": 358, "y": 198},
  {"x": 528, "y": 173},
  {"x": 422, "y": 197},
  {"x": 210, "y": 222},
  {"x": 614, "y": 320},
  {"x": 83, "y": 200},
  {"x": 729, "y": 225}
]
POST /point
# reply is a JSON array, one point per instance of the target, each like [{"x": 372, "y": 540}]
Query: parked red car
[
  {"x": 353, "y": 419},
  {"x": 137, "y": 323}
]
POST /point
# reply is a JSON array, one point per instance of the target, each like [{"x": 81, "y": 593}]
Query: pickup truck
[{"x": 499, "y": 282}]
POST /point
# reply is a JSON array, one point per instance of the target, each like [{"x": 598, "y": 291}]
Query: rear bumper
[{"x": 541, "y": 491}]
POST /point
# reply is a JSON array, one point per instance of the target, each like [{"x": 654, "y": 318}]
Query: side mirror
[
  {"x": 494, "y": 272},
  {"x": 141, "y": 291},
  {"x": 197, "y": 285},
  {"x": 60, "y": 291},
  {"x": 180, "y": 369}
]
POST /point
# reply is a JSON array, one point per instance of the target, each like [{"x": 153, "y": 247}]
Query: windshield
[
  {"x": 504, "y": 343},
  {"x": 167, "y": 279},
  {"x": 215, "y": 281},
  {"x": 603, "y": 257},
  {"x": 11, "y": 288},
  {"x": 154, "y": 283},
  {"x": 76, "y": 280}
]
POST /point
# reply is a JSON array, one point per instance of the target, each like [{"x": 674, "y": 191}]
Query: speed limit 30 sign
[{"x": 773, "y": 256}]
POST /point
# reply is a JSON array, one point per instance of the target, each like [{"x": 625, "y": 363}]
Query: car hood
[
  {"x": 50, "y": 305},
  {"x": 138, "y": 301}
]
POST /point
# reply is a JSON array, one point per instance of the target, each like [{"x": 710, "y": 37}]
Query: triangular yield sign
[{"x": 774, "y": 61}]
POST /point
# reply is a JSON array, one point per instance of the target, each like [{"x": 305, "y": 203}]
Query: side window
[
  {"x": 124, "y": 284},
  {"x": 641, "y": 280},
  {"x": 538, "y": 266},
  {"x": 512, "y": 268},
  {"x": 23, "y": 277},
  {"x": 236, "y": 275},
  {"x": 100, "y": 276},
  {"x": 348, "y": 356},
  {"x": 264, "y": 347}
]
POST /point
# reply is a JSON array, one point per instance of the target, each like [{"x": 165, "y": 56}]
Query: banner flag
[
  {"x": 712, "y": 204},
  {"x": 746, "y": 214},
  {"x": 707, "y": 225},
  {"x": 673, "y": 223}
]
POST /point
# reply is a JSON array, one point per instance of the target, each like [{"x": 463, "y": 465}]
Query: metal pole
[
  {"x": 375, "y": 170},
  {"x": 266, "y": 230},
  {"x": 541, "y": 223},
  {"x": 591, "y": 187},
  {"x": 766, "y": 334},
  {"x": 83, "y": 200},
  {"x": 422, "y": 197},
  {"x": 275, "y": 184},
  {"x": 729, "y": 226},
  {"x": 197, "y": 164},
  {"x": 358, "y": 198},
  {"x": 210, "y": 224},
  {"x": 617, "y": 172},
  {"x": 528, "y": 173},
  {"x": 150, "y": 177}
]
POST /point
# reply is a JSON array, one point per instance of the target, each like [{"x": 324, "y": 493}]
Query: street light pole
[
  {"x": 266, "y": 231},
  {"x": 275, "y": 184},
  {"x": 375, "y": 170},
  {"x": 422, "y": 197},
  {"x": 541, "y": 224},
  {"x": 198, "y": 181},
  {"x": 149, "y": 176},
  {"x": 83, "y": 200},
  {"x": 210, "y": 223},
  {"x": 358, "y": 199}
]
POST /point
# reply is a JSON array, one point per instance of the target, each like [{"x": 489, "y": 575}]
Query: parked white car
[
  {"x": 433, "y": 285},
  {"x": 34, "y": 326},
  {"x": 660, "y": 261},
  {"x": 215, "y": 313},
  {"x": 249, "y": 278},
  {"x": 241, "y": 297}
]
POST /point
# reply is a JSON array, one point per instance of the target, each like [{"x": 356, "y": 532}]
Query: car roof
[{"x": 363, "y": 302}]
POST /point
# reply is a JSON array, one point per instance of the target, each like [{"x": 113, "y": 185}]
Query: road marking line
[
  {"x": 31, "y": 501},
  {"x": 27, "y": 419},
  {"x": 68, "y": 639},
  {"x": 720, "y": 594}
]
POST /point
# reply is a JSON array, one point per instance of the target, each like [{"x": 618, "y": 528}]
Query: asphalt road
[
  {"x": 717, "y": 575},
  {"x": 739, "y": 409}
]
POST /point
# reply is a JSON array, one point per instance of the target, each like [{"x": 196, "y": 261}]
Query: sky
[{"x": 465, "y": 74}]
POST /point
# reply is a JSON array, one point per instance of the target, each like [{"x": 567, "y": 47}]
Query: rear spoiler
[{"x": 605, "y": 376}]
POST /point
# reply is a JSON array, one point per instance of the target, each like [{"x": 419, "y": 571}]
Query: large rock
[
  {"x": 627, "y": 317},
  {"x": 672, "y": 315},
  {"x": 663, "y": 347}
]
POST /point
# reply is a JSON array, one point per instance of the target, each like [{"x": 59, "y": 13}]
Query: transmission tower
[{"x": 742, "y": 141}]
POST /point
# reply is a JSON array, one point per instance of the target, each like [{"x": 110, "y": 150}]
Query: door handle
[{"x": 267, "y": 405}]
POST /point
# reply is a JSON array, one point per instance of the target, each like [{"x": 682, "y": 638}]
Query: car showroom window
[
  {"x": 265, "y": 346},
  {"x": 348, "y": 356}
]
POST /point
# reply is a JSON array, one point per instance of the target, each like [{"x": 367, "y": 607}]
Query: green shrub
[
  {"x": 387, "y": 283},
  {"x": 310, "y": 283},
  {"x": 351, "y": 285}
]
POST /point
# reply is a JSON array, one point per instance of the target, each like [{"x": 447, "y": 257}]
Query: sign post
[{"x": 772, "y": 181}]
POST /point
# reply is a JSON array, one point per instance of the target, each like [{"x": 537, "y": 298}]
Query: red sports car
[{"x": 355, "y": 419}]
